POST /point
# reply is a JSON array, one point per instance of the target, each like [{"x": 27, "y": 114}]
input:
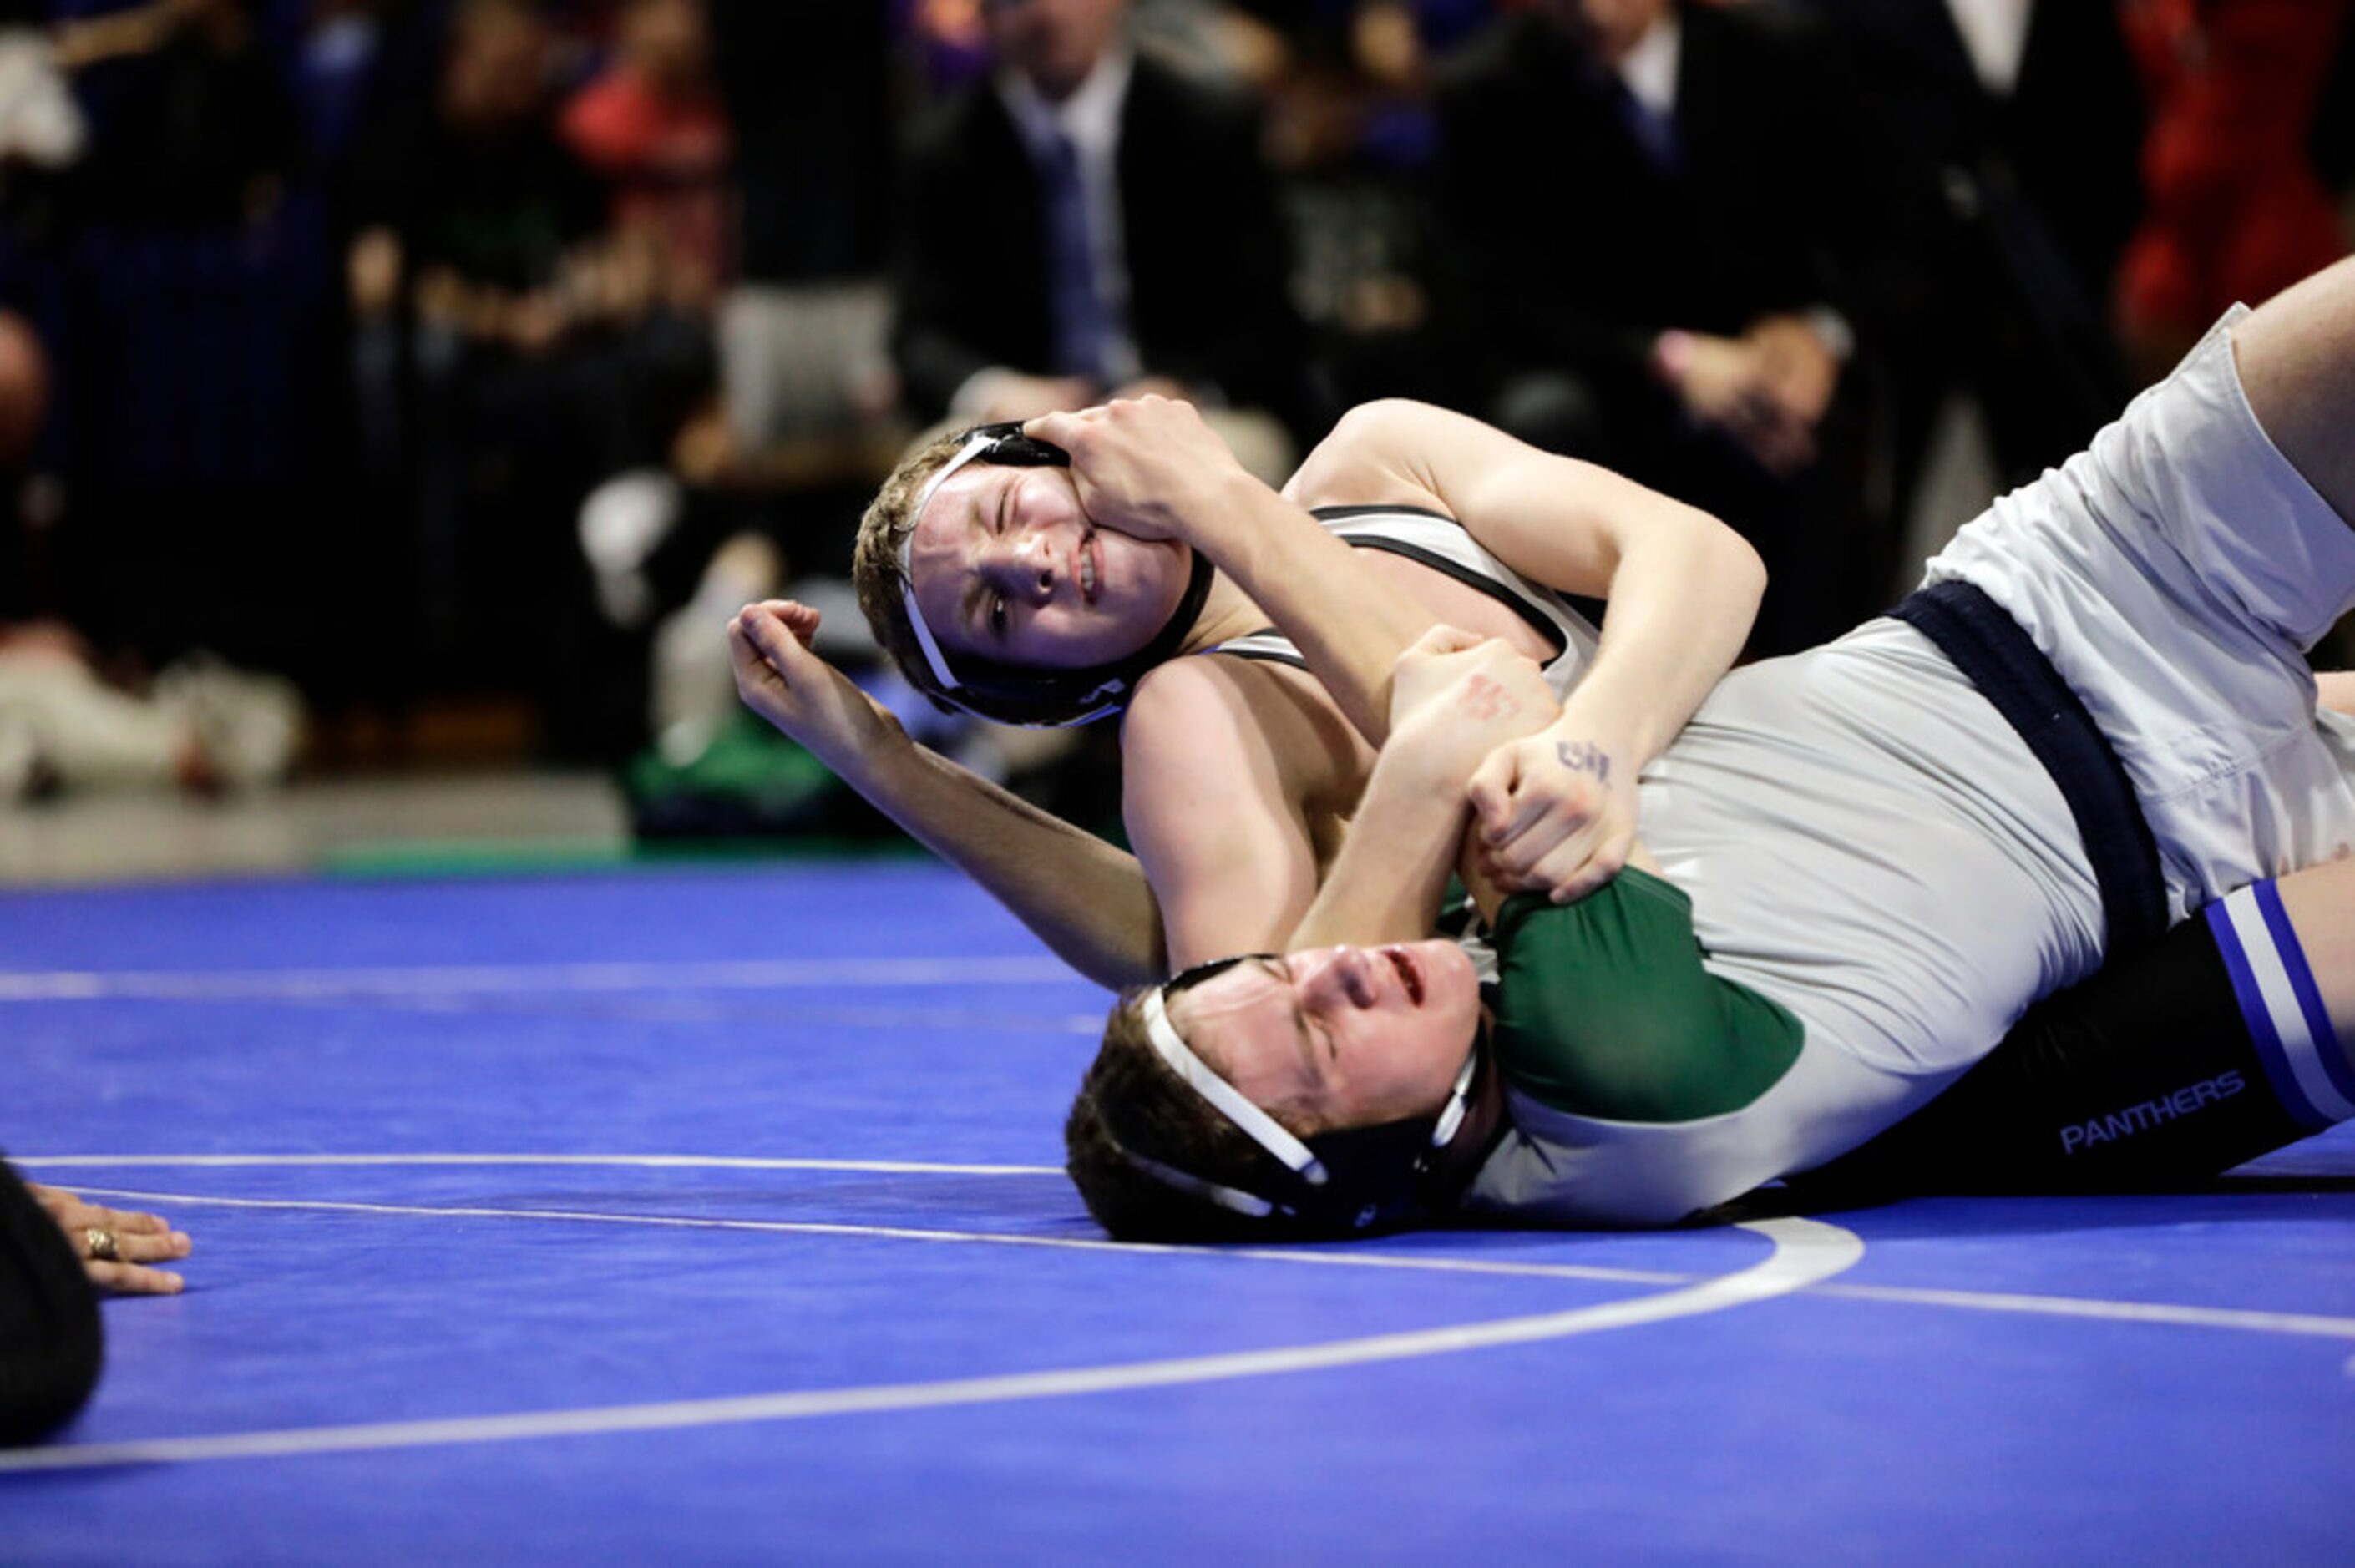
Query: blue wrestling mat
[{"x": 714, "y": 1216}]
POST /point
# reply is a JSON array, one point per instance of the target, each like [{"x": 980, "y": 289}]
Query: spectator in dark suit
[
  {"x": 2032, "y": 120},
  {"x": 195, "y": 128},
  {"x": 1663, "y": 214},
  {"x": 1089, "y": 222}
]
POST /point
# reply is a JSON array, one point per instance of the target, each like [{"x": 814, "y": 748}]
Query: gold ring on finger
[{"x": 101, "y": 1246}]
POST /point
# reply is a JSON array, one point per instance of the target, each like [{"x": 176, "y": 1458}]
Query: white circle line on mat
[
  {"x": 1337, "y": 1255},
  {"x": 485, "y": 980},
  {"x": 2240, "y": 1318},
  {"x": 641, "y": 1162},
  {"x": 1806, "y": 1252}
]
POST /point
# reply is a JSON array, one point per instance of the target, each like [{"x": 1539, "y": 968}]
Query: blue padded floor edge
[{"x": 714, "y": 1216}]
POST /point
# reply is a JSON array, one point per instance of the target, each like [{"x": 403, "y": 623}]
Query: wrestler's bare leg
[
  {"x": 2335, "y": 689},
  {"x": 2318, "y": 902},
  {"x": 2296, "y": 358},
  {"x": 2297, "y": 355}
]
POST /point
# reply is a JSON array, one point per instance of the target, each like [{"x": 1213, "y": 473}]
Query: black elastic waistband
[{"x": 1988, "y": 646}]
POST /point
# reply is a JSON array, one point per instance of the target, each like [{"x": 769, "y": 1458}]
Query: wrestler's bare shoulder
[{"x": 1210, "y": 711}]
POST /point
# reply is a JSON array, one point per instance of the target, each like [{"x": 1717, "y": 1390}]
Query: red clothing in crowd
[
  {"x": 2235, "y": 209},
  {"x": 667, "y": 161}
]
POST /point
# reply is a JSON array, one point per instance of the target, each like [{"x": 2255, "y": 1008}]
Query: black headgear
[
  {"x": 1354, "y": 1181},
  {"x": 1023, "y": 694}
]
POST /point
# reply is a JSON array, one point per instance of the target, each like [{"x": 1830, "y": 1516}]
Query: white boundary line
[
  {"x": 2309, "y": 1323},
  {"x": 1805, "y": 1252},
  {"x": 648, "y": 1161},
  {"x": 1344, "y": 1256},
  {"x": 2247, "y": 1320},
  {"x": 700, "y": 1009},
  {"x": 485, "y": 980}
]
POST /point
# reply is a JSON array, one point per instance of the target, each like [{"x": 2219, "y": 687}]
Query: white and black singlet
[{"x": 1437, "y": 541}]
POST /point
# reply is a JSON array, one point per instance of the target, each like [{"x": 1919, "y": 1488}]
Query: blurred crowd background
[{"x": 388, "y": 381}]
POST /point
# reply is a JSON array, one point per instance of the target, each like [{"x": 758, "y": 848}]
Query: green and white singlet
[{"x": 1869, "y": 846}]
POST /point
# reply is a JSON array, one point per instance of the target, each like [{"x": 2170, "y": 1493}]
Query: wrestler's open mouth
[
  {"x": 1091, "y": 567},
  {"x": 1405, "y": 967}
]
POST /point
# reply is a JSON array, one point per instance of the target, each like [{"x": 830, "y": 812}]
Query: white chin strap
[
  {"x": 974, "y": 445},
  {"x": 1234, "y": 1198},
  {"x": 1451, "y": 1116},
  {"x": 1231, "y": 1101}
]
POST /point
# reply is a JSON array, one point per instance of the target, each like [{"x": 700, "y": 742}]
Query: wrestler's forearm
[
  {"x": 1349, "y": 622},
  {"x": 1385, "y": 883},
  {"x": 2335, "y": 690},
  {"x": 1682, "y": 587},
  {"x": 1682, "y": 599},
  {"x": 1459, "y": 698},
  {"x": 1085, "y": 899}
]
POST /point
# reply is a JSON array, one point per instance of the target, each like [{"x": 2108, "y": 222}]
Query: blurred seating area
[{"x": 387, "y": 384}]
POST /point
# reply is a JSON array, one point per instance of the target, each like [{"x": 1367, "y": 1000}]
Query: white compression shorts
[{"x": 2175, "y": 573}]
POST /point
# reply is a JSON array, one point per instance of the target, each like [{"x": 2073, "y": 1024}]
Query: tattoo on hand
[{"x": 1584, "y": 757}]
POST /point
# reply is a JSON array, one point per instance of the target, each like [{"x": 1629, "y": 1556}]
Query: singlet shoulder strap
[
  {"x": 1437, "y": 541},
  {"x": 1267, "y": 645}
]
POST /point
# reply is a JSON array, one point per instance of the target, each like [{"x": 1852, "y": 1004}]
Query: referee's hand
[{"x": 117, "y": 1246}]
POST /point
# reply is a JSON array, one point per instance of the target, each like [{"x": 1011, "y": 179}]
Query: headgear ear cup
[{"x": 1012, "y": 448}]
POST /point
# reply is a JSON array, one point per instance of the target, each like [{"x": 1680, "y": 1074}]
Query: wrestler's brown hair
[
  {"x": 1132, "y": 1103},
  {"x": 882, "y": 586}
]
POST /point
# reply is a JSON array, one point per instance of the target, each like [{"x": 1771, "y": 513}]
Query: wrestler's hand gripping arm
[
  {"x": 1456, "y": 698},
  {"x": 1559, "y": 808}
]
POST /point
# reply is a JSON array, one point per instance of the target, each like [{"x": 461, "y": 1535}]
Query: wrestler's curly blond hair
[{"x": 875, "y": 568}]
